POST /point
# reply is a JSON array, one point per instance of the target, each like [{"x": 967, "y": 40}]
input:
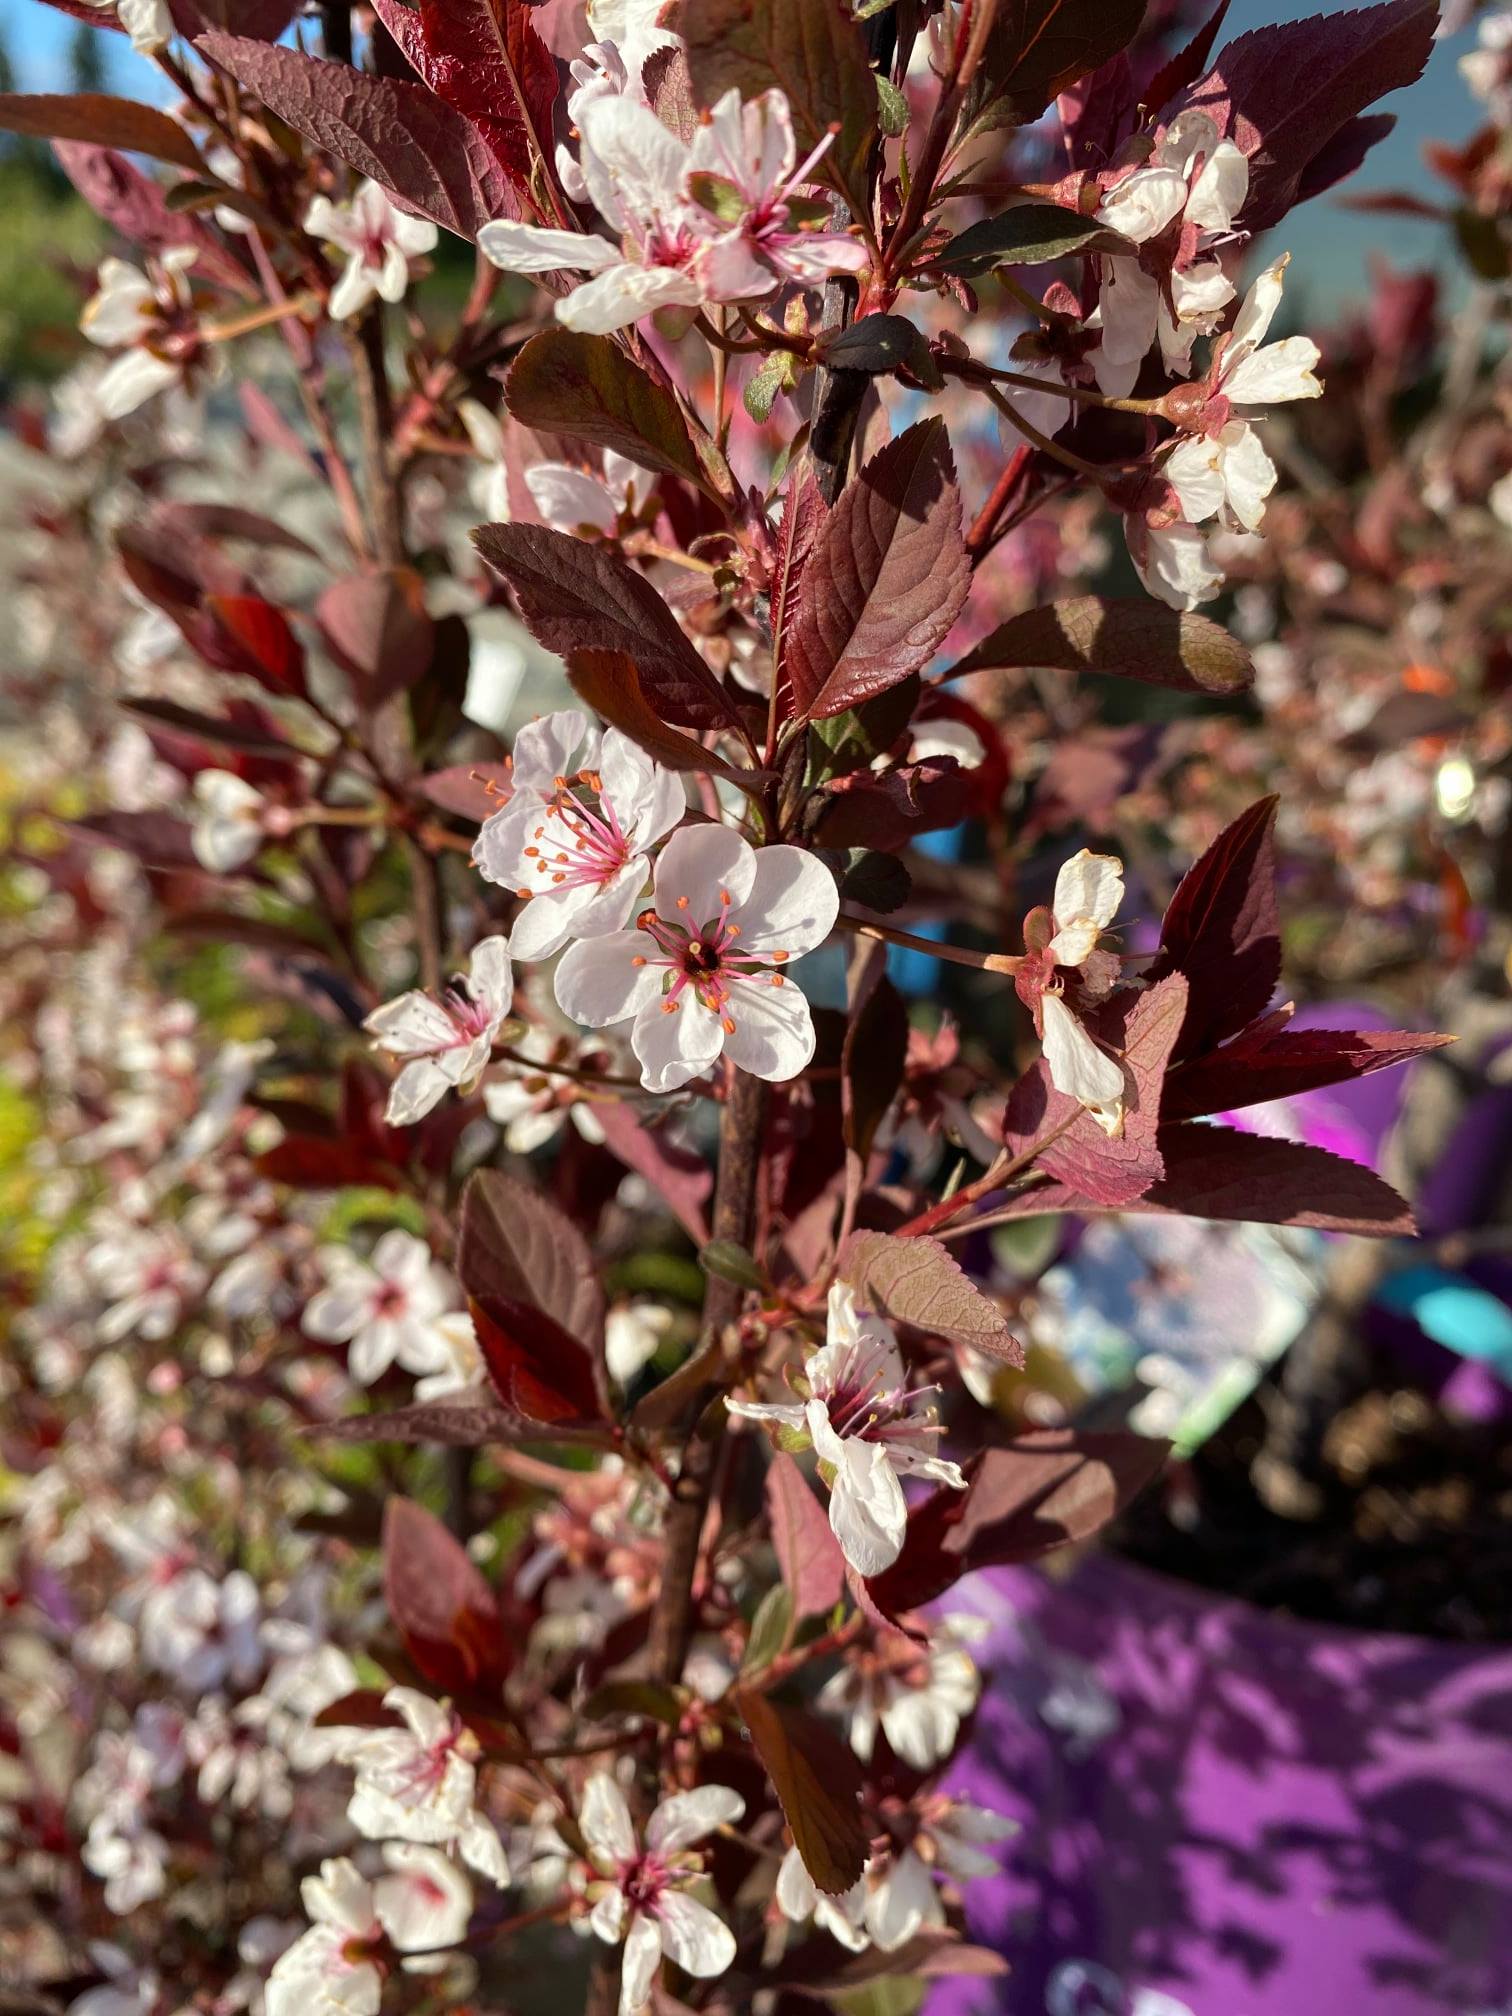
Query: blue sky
[{"x": 1331, "y": 246}]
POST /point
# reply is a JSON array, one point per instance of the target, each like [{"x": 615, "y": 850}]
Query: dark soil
[{"x": 1414, "y": 1534}]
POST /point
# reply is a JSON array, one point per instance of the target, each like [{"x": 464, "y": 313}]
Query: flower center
[
  {"x": 706, "y": 958},
  {"x": 643, "y": 1880},
  {"x": 863, "y": 1409},
  {"x": 580, "y": 839}
]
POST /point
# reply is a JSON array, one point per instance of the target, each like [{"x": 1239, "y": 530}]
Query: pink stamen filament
[
  {"x": 599, "y": 848},
  {"x": 705, "y": 960}
]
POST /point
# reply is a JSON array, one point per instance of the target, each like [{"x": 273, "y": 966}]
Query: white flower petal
[
  {"x": 902, "y": 1902},
  {"x": 643, "y": 1951},
  {"x": 526, "y": 248},
  {"x": 673, "y": 1041},
  {"x": 792, "y": 904},
  {"x": 1077, "y": 1067},
  {"x": 700, "y": 865},
  {"x": 1278, "y": 372},
  {"x": 688, "y": 1816},
  {"x": 691, "y": 1934},
  {"x": 773, "y": 1036},
  {"x": 623, "y": 295},
  {"x": 567, "y": 498},
  {"x": 599, "y": 983},
  {"x": 1088, "y": 886},
  {"x": 605, "y": 1820}
]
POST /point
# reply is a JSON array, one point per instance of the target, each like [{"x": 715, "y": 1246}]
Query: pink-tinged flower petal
[
  {"x": 773, "y": 1036},
  {"x": 1218, "y": 193},
  {"x": 598, "y": 981},
  {"x": 1278, "y": 372},
  {"x": 1194, "y": 470},
  {"x": 902, "y": 1902},
  {"x": 643, "y": 1951},
  {"x": 425, "y": 1901},
  {"x": 526, "y": 248},
  {"x": 569, "y": 498},
  {"x": 688, "y": 1816},
  {"x": 867, "y": 1509},
  {"x": 623, "y": 294},
  {"x": 132, "y": 379},
  {"x": 1258, "y": 309},
  {"x": 691, "y": 1934},
  {"x": 490, "y": 977},
  {"x": 607, "y": 1918},
  {"x": 411, "y": 1025},
  {"x": 1077, "y": 1067},
  {"x": 605, "y": 1820},
  {"x": 419, "y": 1088},
  {"x": 1249, "y": 475},
  {"x": 792, "y": 904},
  {"x": 677, "y": 1043},
  {"x": 700, "y": 865},
  {"x": 1144, "y": 203},
  {"x": 545, "y": 749},
  {"x": 636, "y": 168},
  {"x": 1173, "y": 563},
  {"x": 339, "y": 1896}
]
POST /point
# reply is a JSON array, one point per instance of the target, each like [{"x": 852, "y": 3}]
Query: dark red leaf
[
  {"x": 1217, "y": 1172},
  {"x": 314, "y": 1163},
  {"x": 586, "y": 388},
  {"x": 485, "y": 58},
  {"x": 1222, "y": 930},
  {"x": 445, "y": 1612},
  {"x": 432, "y": 159},
  {"x": 102, "y": 120},
  {"x": 576, "y": 597},
  {"x": 886, "y": 580},
  {"x": 447, "y": 1424},
  {"x": 917, "y": 1282},
  {"x": 537, "y": 1301},
  {"x": 1285, "y": 93},
  {"x": 1264, "y": 1062},
  {"x": 819, "y": 1783},
  {"x": 871, "y": 1063},
  {"x": 611, "y": 684},
  {"x": 136, "y": 206},
  {"x": 215, "y": 730},
  {"x": 891, "y": 808},
  {"x": 1142, "y": 1028},
  {"x": 1043, "y": 1491},
  {"x": 1141, "y": 640},
  {"x": 243, "y": 633},
  {"x": 377, "y": 629},
  {"x": 157, "y": 839},
  {"x": 1037, "y": 47},
  {"x": 679, "y": 1176},
  {"x": 1186, "y": 66},
  {"x": 813, "y": 1568}
]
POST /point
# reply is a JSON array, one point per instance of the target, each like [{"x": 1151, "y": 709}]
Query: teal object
[{"x": 1454, "y": 1312}]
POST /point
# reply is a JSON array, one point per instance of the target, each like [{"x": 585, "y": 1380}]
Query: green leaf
[
  {"x": 1026, "y": 235},
  {"x": 892, "y": 106},
  {"x": 731, "y": 1262},
  {"x": 770, "y": 1631}
]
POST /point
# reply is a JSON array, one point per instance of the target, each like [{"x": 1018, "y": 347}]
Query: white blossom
[
  {"x": 701, "y": 973},
  {"x": 919, "y": 1706},
  {"x": 149, "y": 23},
  {"x": 1088, "y": 892},
  {"x": 633, "y": 1334},
  {"x": 669, "y": 250},
  {"x": 799, "y": 1898},
  {"x": 384, "y": 1309},
  {"x": 1202, "y": 181},
  {"x": 645, "y": 1896},
  {"x": 419, "y": 1783},
  {"x": 951, "y": 1837},
  {"x": 868, "y": 1428},
  {"x": 148, "y": 317},
  {"x": 585, "y": 807},
  {"x": 381, "y": 243},
  {"x": 447, "y": 1043},
  {"x": 331, "y": 1970},
  {"x": 228, "y": 821}
]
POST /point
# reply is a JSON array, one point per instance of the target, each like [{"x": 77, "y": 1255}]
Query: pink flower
[
  {"x": 380, "y": 241},
  {"x": 447, "y": 1042},
  {"x": 701, "y": 973},
  {"x": 868, "y": 1429},
  {"x": 644, "y": 1900},
  {"x": 586, "y": 807}
]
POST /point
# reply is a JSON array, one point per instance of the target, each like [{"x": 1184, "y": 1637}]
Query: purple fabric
[{"x": 1231, "y": 1814}]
